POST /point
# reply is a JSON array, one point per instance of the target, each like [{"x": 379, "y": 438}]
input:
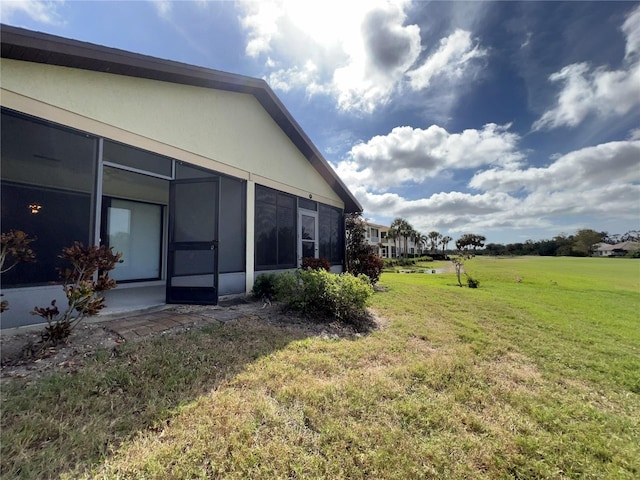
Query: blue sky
[{"x": 512, "y": 120}]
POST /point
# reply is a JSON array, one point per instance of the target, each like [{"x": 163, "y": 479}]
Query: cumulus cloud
[
  {"x": 42, "y": 11},
  {"x": 261, "y": 20},
  {"x": 378, "y": 59},
  {"x": 411, "y": 155},
  {"x": 580, "y": 170},
  {"x": 600, "y": 91},
  {"x": 587, "y": 182},
  {"x": 362, "y": 51}
]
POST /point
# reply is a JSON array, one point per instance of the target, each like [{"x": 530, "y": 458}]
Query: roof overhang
[{"x": 30, "y": 46}]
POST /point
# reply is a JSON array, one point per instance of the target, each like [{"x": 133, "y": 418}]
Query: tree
[
  {"x": 434, "y": 238},
  {"x": 466, "y": 247},
  {"x": 423, "y": 242},
  {"x": 584, "y": 241},
  {"x": 402, "y": 229},
  {"x": 470, "y": 240},
  {"x": 356, "y": 239},
  {"x": 393, "y": 235},
  {"x": 495, "y": 249},
  {"x": 416, "y": 237},
  {"x": 444, "y": 241},
  {"x": 361, "y": 257},
  {"x": 631, "y": 236}
]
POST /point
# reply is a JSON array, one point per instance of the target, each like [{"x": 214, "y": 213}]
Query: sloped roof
[
  {"x": 30, "y": 46},
  {"x": 626, "y": 246}
]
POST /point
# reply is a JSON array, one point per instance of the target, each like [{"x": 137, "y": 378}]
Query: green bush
[
  {"x": 406, "y": 262},
  {"x": 472, "y": 282},
  {"x": 317, "y": 292},
  {"x": 265, "y": 285}
]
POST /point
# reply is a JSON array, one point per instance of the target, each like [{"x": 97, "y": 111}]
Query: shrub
[
  {"x": 405, "y": 262},
  {"x": 317, "y": 292},
  {"x": 360, "y": 256},
  {"x": 80, "y": 287},
  {"x": 472, "y": 282},
  {"x": 14, "y": 246},
  {"x": 370, "y": 265},
  {"x": 265, "y": 286},
  {"x": 310, "y": 263}
]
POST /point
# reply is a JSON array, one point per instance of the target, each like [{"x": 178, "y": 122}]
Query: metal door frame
[{"x": 201, "y": 295}]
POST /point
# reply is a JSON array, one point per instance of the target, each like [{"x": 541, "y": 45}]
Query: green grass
[{"x": 536, "y": 374}]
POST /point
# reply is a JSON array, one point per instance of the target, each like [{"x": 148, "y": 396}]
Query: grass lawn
[{"x": 536, "y": 374}]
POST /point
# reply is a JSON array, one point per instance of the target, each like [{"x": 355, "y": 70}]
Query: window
[
  {"x": 132, "y": 221},
  {"x": 47, "y": 191},
  {"x": 275, "y": 229},
  {"x": 131, "y": 157},
  {"x": 231, "y": 250},
  {"x": 135, "y": 230},
  {"x": 307, "y": 204},
  {"x": 331, "y": 226}
]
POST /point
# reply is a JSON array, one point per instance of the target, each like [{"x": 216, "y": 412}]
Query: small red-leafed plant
[
  {"x": 14, "y": 249},
  {"x": 310, "y": 263},
  {"x": 83, "y": 283}
]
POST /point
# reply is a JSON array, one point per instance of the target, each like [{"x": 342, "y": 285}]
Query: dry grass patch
[{"x": 488, "y": 383}]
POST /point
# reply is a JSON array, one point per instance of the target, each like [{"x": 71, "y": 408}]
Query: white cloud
[
  {"x": 577, "y": 171},
  {"x": 261, "y": 21},
  {"x": 163, "y": 8},
  {"x": 305, "y": 77},
  {"x": 600, "y": 91},
  {"x": 42, "y": 11},
  {"x": 451, "y": 60},
  {"x": 631, "y": 29},
  {"x": 590, "y": 182},
  {"x": 362, "y": 51},
  {"x": 411, "y": 155}
]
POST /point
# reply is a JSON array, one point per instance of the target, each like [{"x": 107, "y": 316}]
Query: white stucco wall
[{"x": 216, "y": 127}]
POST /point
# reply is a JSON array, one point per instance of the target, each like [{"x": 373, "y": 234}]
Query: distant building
[
  {"x": 617, "y": 250},
  {"x": 378, "y": 237}
]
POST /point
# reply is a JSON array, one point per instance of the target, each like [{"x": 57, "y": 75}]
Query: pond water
[{"x": 425, "y": 270}]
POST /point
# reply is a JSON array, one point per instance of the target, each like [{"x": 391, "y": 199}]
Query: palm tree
[
  {"x": 404, "y": 230},
  {"x": 434, "y": 238},
  {"x": 416, "y": 238},
  {"x": 444, "y": 241},
  {"x": 392, "y": 234},
  {"x": 423, "y": 241}
]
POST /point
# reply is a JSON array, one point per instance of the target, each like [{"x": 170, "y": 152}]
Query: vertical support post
[
  {"x": 97, "y": 213},
  {"x": 250, "y": 240}
]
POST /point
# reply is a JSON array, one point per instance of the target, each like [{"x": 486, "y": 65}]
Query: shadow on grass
[{"x": 69, "y": 422}]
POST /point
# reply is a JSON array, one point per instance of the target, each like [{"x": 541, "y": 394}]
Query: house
[
  {"x": 377, "y": 237},
  {"x": 386, "y": 247},
  {"x": 617, "y": 250},
  {"x": 201, "y": 178}
]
